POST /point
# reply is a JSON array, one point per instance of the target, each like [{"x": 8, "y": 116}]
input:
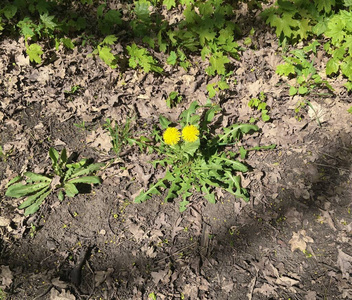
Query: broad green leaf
[
  {"x": 172, "y": 59},
  {"x": 19, "y": 190},
  {"x": 164, "y": 122},
  {"x": 335, "y": 29},
  {"x": 217, "y": 64},
  {"x": 14, "y": 180},
  {"x": 37, "y": 177},
  {"x": 191, "y": 148},
  {"x": 234, "y": 164},
  {"x": 183, "y": 205},
  {"x": 70, "y": 189},
  {"x": 61, "y": 195},
  {"x": 31, "y": 209},
  {"x": 33, "y": 198},
  {"x": 211, "y": 90},
  {"x": 86, "y": 170},
  {"x": 106, "y": 55},
  {"x": 35, "y": 206},
  {"x": 9, "y": 11},
  {"x": 325, "y": 5},
  {"x": 68, "y": 43},
  {"x": 86, "y": 179},
  {"x": 332, "y": 66},
  {"x": 109, "y": 40},
  {"x": 169, "y": 3},
  {"x": 48, "y": 21},
  {"x": 208, "y": 195},
  {"x": 292, "y": 91},
  {"x": 54, "y": 155},
  {"x": 35, "y": 52},
  {"x": 302, "y": 90},
  {"x": 285, "y": 69}
]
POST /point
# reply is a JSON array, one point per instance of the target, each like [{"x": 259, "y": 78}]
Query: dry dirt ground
[{"x": 291, "y": 241}]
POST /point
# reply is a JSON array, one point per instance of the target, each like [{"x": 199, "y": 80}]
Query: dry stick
[
  {"x": 178, "y": 251},
  {"x": 333, "y": 167}
]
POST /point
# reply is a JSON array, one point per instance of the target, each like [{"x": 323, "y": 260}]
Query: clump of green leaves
[
  {"x": 64, "y": 178},
  {"x": 202, "y": 160},
  {"x": 299, "y": 20},
  {"x": 307, "y": 77},
  {"x": 260, "y": 105},
  {"x": 339, "y": 30},
  {"x": 121, "y": 136}
]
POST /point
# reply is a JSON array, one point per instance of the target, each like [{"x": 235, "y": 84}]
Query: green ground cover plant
[
  {"x": 307, "y": 78},
  {"x": 206, "y": 28},
  {"x": 329, "y": 20},
  {"x": 260, "y": 104},
  {"x": 197, "y": 157},
  {"x": 64, "y": 178}
]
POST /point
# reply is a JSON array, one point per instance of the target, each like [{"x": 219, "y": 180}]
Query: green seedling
[
  {"x": 4, "y": 155},
  {"x": 261, "y": 106},
  {"x": 121, "y": 136},
  {"x": 64, "y": 178},
  {"x": 306, "y": 74},
  {"x": 74, "y": 89},
  {"x": 196, "y": 158},
  {"x": 173, "y": 99}
]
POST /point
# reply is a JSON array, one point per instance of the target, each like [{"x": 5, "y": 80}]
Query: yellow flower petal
[
  {"x": 190, "y": 133},
  {"x": 171, "y": 136}
]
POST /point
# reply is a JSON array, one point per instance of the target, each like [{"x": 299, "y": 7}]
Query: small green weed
[
  {"x": 63, "y": 179},
  {"x": 306, "y": 75},
  {"x": 199, "y": 161},
  {"x": 173, "y": 99},
  {"x": 260, "y": 105},
  {"x": 121, "y": 136},
  {"x": 4, "y": 155},
  {"x": 3, "y": 295}
]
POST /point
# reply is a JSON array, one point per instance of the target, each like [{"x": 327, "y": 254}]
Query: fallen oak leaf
[{"x": 299, "y": 240}]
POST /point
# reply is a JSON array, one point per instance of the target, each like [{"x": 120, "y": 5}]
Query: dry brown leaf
[
  {"x": 100, "y": 139},
  {"x": 344, "y": 261},
  {"x": 159, "y": 276},
  {"x": 6, "y": 277},
  {"x": 64, "y": 295},
  {"x": 267, "y": 290},
  {"x": 299, "y": 240}
]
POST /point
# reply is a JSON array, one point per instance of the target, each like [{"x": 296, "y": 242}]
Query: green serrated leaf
[
  {"x": 285, "y": 69},
  {"x": 332, "y": 66},
  {"x": 169, "y": 3},
  {"x": 9, "y": 11},
  {"x": 293, "y": 91},
  {"x": 106, "y": 55},
  {"x": 172, "y": 59},
  {"x": 35, "y": 52}
]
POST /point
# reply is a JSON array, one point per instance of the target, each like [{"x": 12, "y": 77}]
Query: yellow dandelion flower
[
  {"x": 171, "y": 136},
  {"x": 190, "y": 133}
]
